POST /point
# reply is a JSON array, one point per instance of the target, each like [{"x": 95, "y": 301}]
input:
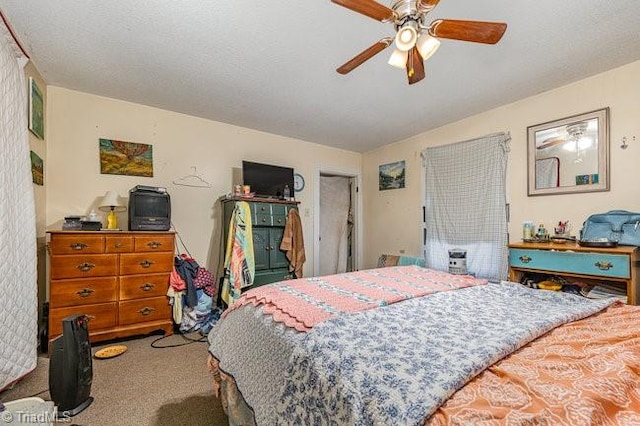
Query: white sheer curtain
[
  {"x": 18, "y": 288},
  {"x": 465, "y": 204}
]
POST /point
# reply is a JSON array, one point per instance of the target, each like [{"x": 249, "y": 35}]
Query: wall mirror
[{"x": 569, "y": 155}]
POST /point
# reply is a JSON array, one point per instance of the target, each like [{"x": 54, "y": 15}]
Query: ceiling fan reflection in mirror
[{"x": 415, "y": 40}]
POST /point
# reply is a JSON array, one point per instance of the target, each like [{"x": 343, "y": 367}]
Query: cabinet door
[
  {"x": 277, "y": 258},
  {"x": 261, "y": 246}
]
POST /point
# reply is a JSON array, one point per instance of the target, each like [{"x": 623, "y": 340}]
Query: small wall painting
[
  {"x": 126, "y": 158},
  {"x": 36, "y": 109},
  {"x": 37, "y": 169},
  {"x": 391, "y": 176}
]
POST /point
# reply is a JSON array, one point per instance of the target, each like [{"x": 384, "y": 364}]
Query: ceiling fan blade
[
  {"x": 426, "y": 5},
  {"x": 476, "y": 31},
  {"x": 365, "y": 55},
  {"x": 548, "y": 143},
  {"x": 415, "y": 66},
  {"x": 370, "y": 8}
]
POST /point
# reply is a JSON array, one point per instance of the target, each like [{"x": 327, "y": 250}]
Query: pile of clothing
[{"x": 193, "y": 293}]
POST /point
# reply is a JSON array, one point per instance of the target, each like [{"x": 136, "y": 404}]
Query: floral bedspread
[{"x": 398, "y": 364}]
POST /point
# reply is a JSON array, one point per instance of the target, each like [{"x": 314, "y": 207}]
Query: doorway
[{"x": 336, "y": 232}]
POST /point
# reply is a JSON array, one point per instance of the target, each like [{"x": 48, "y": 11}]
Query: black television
[
  {"x": 266, "y": 180},
  {"x": 149, "y": 209}
]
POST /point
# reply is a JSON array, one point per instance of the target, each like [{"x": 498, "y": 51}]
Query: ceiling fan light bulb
[
  {"x": 398, "y": 58},
  {"x": 427, "y": 46},
  {"x": 406, "y": 38}
]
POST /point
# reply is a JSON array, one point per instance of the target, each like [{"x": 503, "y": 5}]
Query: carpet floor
[{"x": 143, "y": 386}]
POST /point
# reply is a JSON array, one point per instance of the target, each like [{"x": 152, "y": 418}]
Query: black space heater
[{"x": 70, "y": 367}]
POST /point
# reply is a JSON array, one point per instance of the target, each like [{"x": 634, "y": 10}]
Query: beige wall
[
  {"x": 74, "y": 183},
  {"x": 393, "y": 218}
]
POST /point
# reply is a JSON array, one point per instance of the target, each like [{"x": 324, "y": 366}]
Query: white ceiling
[{"x": 270, "y": 65}]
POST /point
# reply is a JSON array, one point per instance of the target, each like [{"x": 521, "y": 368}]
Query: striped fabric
[
  {"x": 465, "y": 204},
  {"x": 304, "y": 303}
]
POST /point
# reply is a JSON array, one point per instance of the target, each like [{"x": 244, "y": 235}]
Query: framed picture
[
  {"x": 126, "y": 158},
  {"x": 569, "y": 155},
  {"x": 36, "y": 109},
  {"x": 391, "y": 176},
  {"x": 37, "y": 169}
]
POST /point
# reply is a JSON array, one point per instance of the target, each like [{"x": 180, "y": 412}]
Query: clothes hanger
[{"x": 193, "y": 180}]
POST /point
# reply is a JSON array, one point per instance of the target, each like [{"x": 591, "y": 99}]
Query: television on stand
[
  {"x": 149, "y": 209},
  {"x": 266, "y": 180}
]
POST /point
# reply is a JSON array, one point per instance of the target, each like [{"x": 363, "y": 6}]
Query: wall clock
[{"x": 298, "y": 182}]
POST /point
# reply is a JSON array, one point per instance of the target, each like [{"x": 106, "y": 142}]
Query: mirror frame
[{"x": 603, "y": 154}]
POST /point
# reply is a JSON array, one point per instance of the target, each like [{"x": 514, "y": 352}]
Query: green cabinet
[{"x": 268, "y": 218}]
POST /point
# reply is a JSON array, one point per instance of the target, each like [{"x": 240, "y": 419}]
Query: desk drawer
[
  {"x": 145, "y": 263},
  {"x": 82, "y": 291},
  {"x": 143, "y": 310},
  {"x": 154, "y": 242},
  {"x": 76, "y": 244},
  {"x": 597, "y": 264},
  {"x": 101, "y": 316},
  {"x": 81, "y": 266}
]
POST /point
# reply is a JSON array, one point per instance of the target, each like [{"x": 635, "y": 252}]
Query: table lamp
[{"x": 111, "y": 204}]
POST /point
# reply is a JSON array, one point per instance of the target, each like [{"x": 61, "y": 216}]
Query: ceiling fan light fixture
[
  {"x": 407, "y": 36},
  {"x": 427, "y": 45},
  {"x": 398, "y": 58}
]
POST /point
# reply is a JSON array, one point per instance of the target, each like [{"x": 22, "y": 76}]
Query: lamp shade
[
  {"x": 110, "y": 202},
  {"x": 407, "y": 36},
  {"x": 398, "y": 58},
  {"x": 427, "y": 45}
]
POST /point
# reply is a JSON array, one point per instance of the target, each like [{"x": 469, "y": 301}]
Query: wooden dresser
[
  {"x": 616, "y": 265},
  {"x": 118, "y": 279}
]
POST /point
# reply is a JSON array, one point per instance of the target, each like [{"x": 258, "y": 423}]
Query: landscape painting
[
  {"x": 36, "y": 109},
  {"x": 392, "y": 175},
  {"x": 126, "y": 158},
  {"x": 37, "y": 169}
]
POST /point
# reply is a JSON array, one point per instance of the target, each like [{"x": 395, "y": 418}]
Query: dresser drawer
[
  {"x": 118, "y": 244},
  {"x": 101, "y": 316},
  {"x": 154, "y": 242},
  {"x": 597, "y": 264},
  {"x": 143, "y": 310},
  {"x": 78, "y": 266},
  {"x": 262, "y": 220},
  {"x": 76, "y": 244},
  {"x": 145, "y": 263},
  {"x": 82, "y": 291},
  {"x": 141, "y": 286}
]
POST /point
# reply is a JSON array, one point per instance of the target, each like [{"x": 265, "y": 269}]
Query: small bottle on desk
[{"x": 287, "y": 193}]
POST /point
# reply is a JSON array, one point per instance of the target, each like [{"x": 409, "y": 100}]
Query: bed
[{"x": 412, "y": 346}]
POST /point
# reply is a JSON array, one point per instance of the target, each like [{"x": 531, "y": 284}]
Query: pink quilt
[{"x": 305, "y": 302}]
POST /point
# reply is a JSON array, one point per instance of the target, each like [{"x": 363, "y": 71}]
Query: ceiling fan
[
  {"x": 573, "y": 132},
  {"x": 415, "y": 40}
]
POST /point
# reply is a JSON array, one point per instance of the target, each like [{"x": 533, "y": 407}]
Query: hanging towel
[
  {"x": 239, "y": 262},
  {"x": 293, "y": 243}
]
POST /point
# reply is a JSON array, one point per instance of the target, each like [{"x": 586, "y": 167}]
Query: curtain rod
[{"x": 15, "y": 38}]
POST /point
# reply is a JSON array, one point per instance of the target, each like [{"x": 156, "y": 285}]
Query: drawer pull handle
[
  {"x": 146, "y": 263},
  {"x": 78, "y": 246},
  {"x": 146, "y": 311},
  {"x": 118, "y": 244},
  {"x": 90, "y": 317},
  {"x": 147, "y": 287},
  {"x": 86, "y": 267},
  {"x": 264, "y": 219},
  {"x": 525, "y": 259},
  {"x": 279, "y": 220},
  {"x": 154, "y": 244},
  {"x": 85, "y": 292},
  {"x": 604, "y": 266}
]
